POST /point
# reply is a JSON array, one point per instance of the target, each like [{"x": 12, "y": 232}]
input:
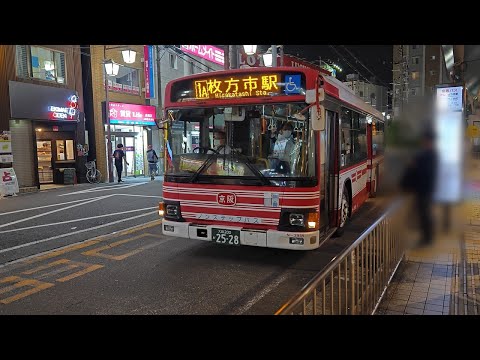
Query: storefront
[
  {"x": 131, "y": 125},
  {"x": 44, "y": 129}
]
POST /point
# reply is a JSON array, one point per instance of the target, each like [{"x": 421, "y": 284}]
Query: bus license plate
[{"x": 226, "y": 236}]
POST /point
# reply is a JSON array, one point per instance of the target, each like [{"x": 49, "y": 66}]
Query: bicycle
[{"x": 93, "y": 175}]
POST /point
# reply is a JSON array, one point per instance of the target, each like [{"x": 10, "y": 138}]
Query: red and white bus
[{"x": 271, "y": 157}]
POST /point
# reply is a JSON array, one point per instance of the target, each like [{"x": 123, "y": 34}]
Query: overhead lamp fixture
[
  {"x": 129, "y": 56},
  {"x": 250, "y": 49},
  {"x": 111, "y": 68},
  {"x": 268, "y": 58}
]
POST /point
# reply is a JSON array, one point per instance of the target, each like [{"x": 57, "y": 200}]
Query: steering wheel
[{"x": 205, "y": 150}]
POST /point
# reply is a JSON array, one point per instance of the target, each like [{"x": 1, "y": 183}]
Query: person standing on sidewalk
[
  {"x": 119, "y": 156},
  {"x": 152, "y": 159},
  {"x": 420, "y": 178}
]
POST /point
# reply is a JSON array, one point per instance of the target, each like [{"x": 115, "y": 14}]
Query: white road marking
[
  {"x": 71, "y": 233},
  {"x": 149, "y": 196},
  {"x": 75, "y": 220},
  {"x": 107, "y": 188},
  {"x": 42, "y": 207},
  {"x": 13, "y": 262},
  {"x": 260, "y": 295},
  {"x": 54, "y": 211}
]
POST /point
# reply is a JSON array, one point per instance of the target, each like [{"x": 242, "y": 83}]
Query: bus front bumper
[{"x": 264, "y": 238}]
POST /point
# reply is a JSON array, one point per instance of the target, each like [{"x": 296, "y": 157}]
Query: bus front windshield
[{"x": 271, "y": 145}]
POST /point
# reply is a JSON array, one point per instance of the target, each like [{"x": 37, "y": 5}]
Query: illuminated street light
[
  {"x": 250, "y": 49},
  {"x": 268, "y": 58},
  {"x": 111, "y": 68},
  {"x": 129, "y": 56}
]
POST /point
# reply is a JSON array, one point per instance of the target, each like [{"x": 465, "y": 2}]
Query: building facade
[
  {"x": 417, "y": 69},
  {"x": 137, "y": 91},
  {"x": 375, "y": 95},
  {"x": 41, "y": 110}
]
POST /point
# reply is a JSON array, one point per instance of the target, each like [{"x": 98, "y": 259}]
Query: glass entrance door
[
  {"x": 44, "y": 157},
  {"x": 129, "y": 143},
  {"x": 133, "y": 148}
]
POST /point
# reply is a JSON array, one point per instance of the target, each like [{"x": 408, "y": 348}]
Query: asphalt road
[
  {"x": 37, "y": 222},
  {"x": 140, "y": 271}
]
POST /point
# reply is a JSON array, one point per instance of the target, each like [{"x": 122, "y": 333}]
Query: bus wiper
[
  {"x": 254, "y": 170},
  {"x": 205, "y": 165}
]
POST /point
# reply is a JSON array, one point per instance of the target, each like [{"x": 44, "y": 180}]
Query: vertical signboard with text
[
  {"x": 449, "y": 129},
  {"x": 148, "y": 66}
]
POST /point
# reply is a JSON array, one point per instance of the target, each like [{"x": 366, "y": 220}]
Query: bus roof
[
  {"x": 331, "y": 85},
  {"x": 341, "y": 91}
]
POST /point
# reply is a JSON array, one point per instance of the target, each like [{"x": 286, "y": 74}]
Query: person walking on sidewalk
[
  {"x": 119, "y": 156},
  {"x": 152, "y": 159}
]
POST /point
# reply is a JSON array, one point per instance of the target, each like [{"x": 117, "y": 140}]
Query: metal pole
[
  {"x": 274, "y": 55},
  {"x": 107, "y": 114},
  {"x": 226, "y": 51},
  {"x": 281, "y": 55}
]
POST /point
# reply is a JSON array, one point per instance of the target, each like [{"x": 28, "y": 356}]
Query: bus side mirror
[{"x": 317, "y": 117}]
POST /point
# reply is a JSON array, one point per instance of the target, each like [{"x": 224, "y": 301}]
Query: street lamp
[
  {"x": 129, "y": 56},
  {"x": 111, "y": 69},
  {"x": 270, "y": 57},
  {"x": 250, "y": 49}
]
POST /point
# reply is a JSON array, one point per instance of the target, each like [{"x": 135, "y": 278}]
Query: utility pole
[{"x": 226, "y": 54}]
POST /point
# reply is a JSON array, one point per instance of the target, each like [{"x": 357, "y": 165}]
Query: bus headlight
[
  {"x": 172, "y": 210},
  {"x": 297, "y": 219}
]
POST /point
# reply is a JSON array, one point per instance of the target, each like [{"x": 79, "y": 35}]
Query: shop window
[
  {"x": 127, "y": 80},
  {"x": 40, "y": 63},
  {"x": 65, "y": 150}
]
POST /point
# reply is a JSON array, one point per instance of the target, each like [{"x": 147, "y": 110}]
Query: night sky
[{"x": 377, "y": 59}]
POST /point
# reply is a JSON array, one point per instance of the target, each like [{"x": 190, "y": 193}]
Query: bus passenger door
[{"x": 329, "y": 168}]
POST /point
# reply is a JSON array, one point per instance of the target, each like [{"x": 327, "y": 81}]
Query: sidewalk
[{"x": 444, "y": 278}]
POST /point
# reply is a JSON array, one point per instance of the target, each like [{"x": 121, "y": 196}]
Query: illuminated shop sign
[
  {"x": 207, "y": 52},
  {"x": 40, "y": 102},
  {"x": 68, "y": 112},
  {"x": 132, "y": 114}
]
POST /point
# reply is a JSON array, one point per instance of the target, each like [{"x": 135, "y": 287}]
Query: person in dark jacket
[
  {"x": 119, "y": 156},
  {"x": 420, "y": 178}
]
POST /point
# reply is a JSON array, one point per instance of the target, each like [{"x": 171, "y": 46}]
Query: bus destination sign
[{"x": 237, "y": 86}]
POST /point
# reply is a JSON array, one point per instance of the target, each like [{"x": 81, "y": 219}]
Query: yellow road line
[
  {"x": 20, "y": 282},
  {"x": 80, "y": 273},
  {"x": 72, "y": 265},
  {"x": 91, "y": 242},
  {"x": 97, "y": 251},
  {"x": 43, "y": 267}
]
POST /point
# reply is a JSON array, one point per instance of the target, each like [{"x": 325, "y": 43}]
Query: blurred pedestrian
[
  {"x": 420, "y": 179},
  {"x": 119, "y": 156}
]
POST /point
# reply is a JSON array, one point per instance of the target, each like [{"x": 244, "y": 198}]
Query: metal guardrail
[{"x": 355, "y": 281}]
